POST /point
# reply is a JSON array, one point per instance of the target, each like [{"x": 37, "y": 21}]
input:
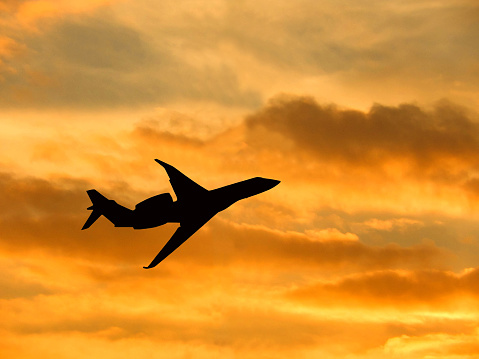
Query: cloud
[
  {"x": 214, "y": 316},
  {"x": 235, "y": 55},
  {"x": 222, "y": 291},
  {"x": 18, "y": 283},
  {"x": 441, "y": 345},
  {"x": 344, "y": 259},
  {"x": 406, "y": 132},
  {"x": 318, "y": 190},
  {"x": 399, "y": 52},
  {"x": 388, "y": 153},
  {"x": 330, "y": 234},
  {"x": 96, "y": 60},
  {"x": 318, "y": 179},
  {"x": 28, "y": 12},
  {"x": 263, "y": 247},
  {"x": 48, "y": 216},
  {"x": 390, "y": 224},
  {"x": 432, "y": 289}
]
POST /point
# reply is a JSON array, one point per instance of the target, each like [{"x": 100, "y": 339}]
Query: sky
[{"x": 366, "y": 111}]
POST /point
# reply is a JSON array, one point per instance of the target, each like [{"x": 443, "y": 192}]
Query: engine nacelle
[
  {"x": 155, "y": 203},
  {"x": 153, "y": 211}
]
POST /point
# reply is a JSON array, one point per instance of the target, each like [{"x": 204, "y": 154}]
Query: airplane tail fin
[{"x": 97, "y": 201}]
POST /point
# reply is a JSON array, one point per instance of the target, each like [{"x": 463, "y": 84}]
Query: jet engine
[{"x": 153, "y": 211}]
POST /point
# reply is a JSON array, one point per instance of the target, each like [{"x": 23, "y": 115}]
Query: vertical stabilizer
[{"x": 120, "y": 216}]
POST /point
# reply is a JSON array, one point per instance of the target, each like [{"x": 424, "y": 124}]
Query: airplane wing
[
  {"x": 183, "y": 186},
  {"x": 179, "y": 237}
]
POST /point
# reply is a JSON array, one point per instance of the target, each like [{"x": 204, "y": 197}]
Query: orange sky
[{"x": 366, "y": 111}]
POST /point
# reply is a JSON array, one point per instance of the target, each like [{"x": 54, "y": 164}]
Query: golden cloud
[
  {"x": 48, "y": 216},
  {"x": 432, "y": 289},
  {"x": 342, "y": 260},
  {"x": 221, "y": 291},
  {"x": 28, "y": 12},
  {"x": 390, "y": 224},
  {"x": 441, "y": 345}
]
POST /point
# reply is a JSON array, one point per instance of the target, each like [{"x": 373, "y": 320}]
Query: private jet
[{"x": 193, "y": 208}]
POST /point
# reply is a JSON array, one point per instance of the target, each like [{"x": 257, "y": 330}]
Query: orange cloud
[
  {"x": 390, "y": 224},
  {"x": 440, "y": 345},
  {"x": 48, "y": 215},
  {"x": 9, "y": 48},
  {"x": 226, "y": 285},
  {"x": 311, "y": 181},
  {"x": 421, "y": 289},
  {"x": 28, "y": 12},
  {"x": 345, "y": 259}
]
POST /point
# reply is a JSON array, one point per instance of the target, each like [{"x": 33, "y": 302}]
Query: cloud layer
[
  {"x": 106, "y": 54},
  {"x": 289, "y": 271},
  {"x": 367, "y": 249}
]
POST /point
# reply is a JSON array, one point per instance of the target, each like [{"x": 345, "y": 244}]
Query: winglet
[
  {"x": 161, "y": 162},
  {"x": 170, "y": 170}
]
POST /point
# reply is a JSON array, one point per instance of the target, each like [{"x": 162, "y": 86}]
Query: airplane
[{"x": 194, "y": 206}]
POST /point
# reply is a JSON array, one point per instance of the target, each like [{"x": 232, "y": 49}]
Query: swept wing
[
  {"x": 179, "y": 237},
  {"x": 184, "y": 187},
  {"x": 186, "y": 190}
]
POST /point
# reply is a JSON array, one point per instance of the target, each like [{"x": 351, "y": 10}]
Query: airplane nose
[
  {"x": 267, "y": 184},
  {"x": 272, "y": 183}
]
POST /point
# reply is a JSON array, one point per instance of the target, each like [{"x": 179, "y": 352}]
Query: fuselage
[{"x": 160, "y": 209}]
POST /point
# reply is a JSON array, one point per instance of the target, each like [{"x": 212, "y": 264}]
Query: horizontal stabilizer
[
  {"x": 98, "y": 200},
  {"x": 93, "y": 217}
]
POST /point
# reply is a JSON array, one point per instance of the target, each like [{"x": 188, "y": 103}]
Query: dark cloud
[
  {"x": 369, "y": 138},
  {"x": 415, "y": 48},
  {"x": 91, "y": 62},
  {"x": 97, "y": 44},
  {"x": 48, "y": 215},
  {"x": 38, "y": 197},
  {"x": 370, "y": 46}
]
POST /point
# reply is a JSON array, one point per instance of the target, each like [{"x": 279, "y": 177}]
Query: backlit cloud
[
  {"x": 429, "y": 289},
  {"x": 384, "y": 133},
  {"x": 36, "y": 215},
  {"x": 367, "y": 249}
]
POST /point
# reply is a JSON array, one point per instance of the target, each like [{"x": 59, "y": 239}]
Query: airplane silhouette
[{"x": 194, "y": 207}]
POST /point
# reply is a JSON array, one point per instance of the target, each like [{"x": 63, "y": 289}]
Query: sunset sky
[{"x": 366, "y": 111}]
